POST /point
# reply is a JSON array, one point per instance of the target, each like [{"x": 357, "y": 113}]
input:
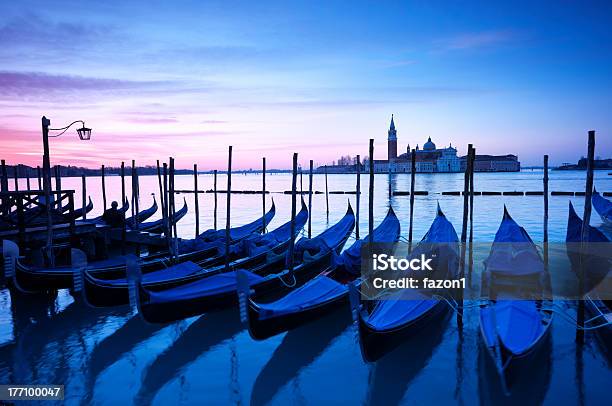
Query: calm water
[{"x": 110, "y": 357}]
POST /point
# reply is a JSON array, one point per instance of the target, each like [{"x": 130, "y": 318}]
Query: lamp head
[{"x": 84, "y": 133}]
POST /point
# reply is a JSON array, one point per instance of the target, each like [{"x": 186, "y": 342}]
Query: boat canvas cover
[
  {"x": 603, "y": 206},
  {"x": 315, "y": 291},
  {"x": 508, "y": 317},
  {"x": 175, "y": 271},
  {"x": 213, "y": 285},
  {"x": 324, "y": 242},
  {"x": 322, "y": 288},
  {"x": 411, "y": 304},
  {"x": 256, "y": 244},
  {"x": 387, "y": 231},
  {"x": 574, "y": 228},
  {"x": 513, "y": 253}
]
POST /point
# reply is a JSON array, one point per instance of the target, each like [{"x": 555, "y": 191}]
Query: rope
[{"x": 292, "y": 285}]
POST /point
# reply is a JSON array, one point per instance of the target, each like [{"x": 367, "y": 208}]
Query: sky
[{"x": 188, "y": 78}]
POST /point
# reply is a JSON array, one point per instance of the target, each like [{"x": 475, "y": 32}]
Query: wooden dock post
[
  {"x": 122, "y": 173},
  {"x": 58, "y": 182},
  {"x": 357, "y": 196},
  {"x": 162, "y": 196},
  {"x": 586, "y": 220},
  {"x": 472, "y": 158},
  {"x": 293, "y": 192},
  {"x": 39, "y": 176},
  {"x": 326, "y": 196},
  {"x": 228, "y": 207},
  {"x": 545, "y": 180},
  {"x": 165, "y": 210},
  {"x": 263, "y": 195},
  {"x": 371, "y": 195},
  {"x": 196, "y": 200},
  {"x": 310, "y": 201},
  {"x": 172, "y": 200},
  {"x": 135, "y": 197},
  {"x": 27, "y": 173},
  {"x": 16, "y": 177},
  {"x": 104, "y": 187},
  {"x": 466, "y": 190},
  {"x": 215, "y": 195},
  {"x": 412, "y": 181},
  {"x": 84, "y": 193}
]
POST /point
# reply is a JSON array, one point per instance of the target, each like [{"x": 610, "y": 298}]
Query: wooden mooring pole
[
  {"x": 545, "y": 181},
  {"x": 371, "y": 195},
  {"x": 357, "y": 196},
  {"x": 84, "y": 197},
  {"x": 104, "y": 187},
  {"x": 58, "y": 182},
  {"x": 228, "y": 207},
  {"x": 27, "y": 173},
  {"x": 310, "y": 201},
  {"x": 122, "y": 173},
  {"x": 4, "y": 187},
  {"x": 586, "y": 220},
  {"x": 326, "y": 196},
  {"x": 472, "y": 158},
  {"x": 263, "y": 195},
  {"x": 172, "y": 200},
  {"x": 39, "y": 176},
  {"x": 293, "y": 208},
  {"x": 466, "y": 191},
  {"x": 16, "y": 177},
  {"x": 215, "y": 197},
  {"x": 412, "y": 181},
  {"x": 196, "y": 200}
]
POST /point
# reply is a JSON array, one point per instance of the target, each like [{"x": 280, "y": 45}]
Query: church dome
[{"x": 429, "y": 146}]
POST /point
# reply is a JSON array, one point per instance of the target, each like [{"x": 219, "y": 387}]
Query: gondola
[
  {"x": 514, "y": 330},
  {"x": 101, "y": 291},
  {"x": 79, "y": 212},
  {"x": 319, "y": 296},
  {"x": 99, "y": 220},
  {"x": 603, "y": 207},
  {"x": 142, "y": 216},
  {"x": 598, "y": 267},
  {"x": 220, "y": 291},
  {"x": 29, "y": 278},
  {"x": 384, "y": 324},
  {"x": 157, "y": 226}
]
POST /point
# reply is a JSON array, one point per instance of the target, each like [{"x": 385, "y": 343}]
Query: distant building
[
  {"x": 428, "y": 159},
  {"x": 493, "y": 163},
  {"x": 582, "y": 165}
]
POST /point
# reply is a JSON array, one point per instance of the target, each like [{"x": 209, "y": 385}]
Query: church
[{"x": 429, "y": 159}]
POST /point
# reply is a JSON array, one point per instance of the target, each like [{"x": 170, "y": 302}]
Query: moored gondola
[
  {"x": 514, "y": 328},
  {"x": 79, "y": 212},
  {"x": 30, "y": 278},
  {"x": 142, "y": 216},
  {"x": 603, "y": 207},
  {"x": 157, "y": 226},
  {"x": 385, "y": 323},
  {"x": 112, "y": 291},
  {"x": 220, "y": 291},
  {"x": 597, "y": 267},
  {"x": 319, "y": 296}
]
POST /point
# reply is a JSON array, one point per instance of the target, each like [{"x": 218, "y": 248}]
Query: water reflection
[
  {"x": 299, "y": 348},
  {"x": 200, "y": 337},
  {"x": 393, "y": 373}
]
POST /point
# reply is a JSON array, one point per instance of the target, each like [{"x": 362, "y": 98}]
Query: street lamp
[{"x": 84, "y": 134}]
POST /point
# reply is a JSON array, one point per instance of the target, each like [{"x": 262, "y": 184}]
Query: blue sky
[{"x": 189, "y": 78}]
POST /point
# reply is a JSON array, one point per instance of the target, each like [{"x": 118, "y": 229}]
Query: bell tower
[{"x": 392, "y": 141}]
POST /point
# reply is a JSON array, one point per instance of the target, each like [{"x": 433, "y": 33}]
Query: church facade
[{"x": 429, "y": 159}]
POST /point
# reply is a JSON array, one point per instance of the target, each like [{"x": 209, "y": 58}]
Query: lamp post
[{"x": 84, "y": 134}]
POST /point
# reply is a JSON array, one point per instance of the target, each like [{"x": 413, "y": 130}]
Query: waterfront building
[{"x": 493, "y": 163}]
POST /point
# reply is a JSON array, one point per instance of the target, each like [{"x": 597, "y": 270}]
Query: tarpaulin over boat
[
  {"x": 256, "y": 244},
  {"x": 317, "y": 290},
  {"x": 216, "y": 284},
  {"x": 508, "y": 317},
  {"x": 323, "y": 243},
  {"x": 387, "y": 231},
  {"x": 513, "y": 253},
  {"x": 175, "y": 271}
]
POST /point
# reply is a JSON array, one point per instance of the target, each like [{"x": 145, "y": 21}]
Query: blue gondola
[
  {"x": 603, "y": 207},
  {"x": 514, "y": 331},
  {"x": 385, "y": 324},
  {"x": 220, "y": 291},
  {"x": 327, "y": 291}
]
